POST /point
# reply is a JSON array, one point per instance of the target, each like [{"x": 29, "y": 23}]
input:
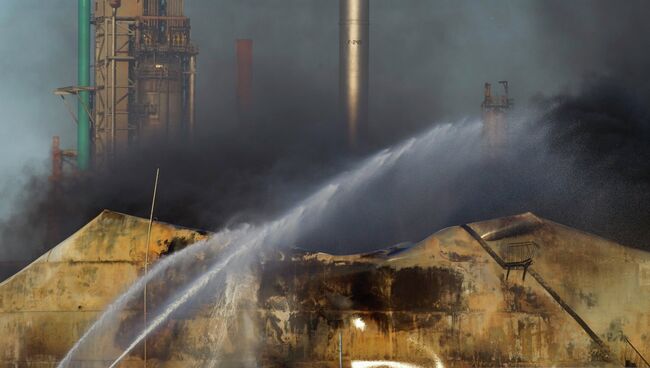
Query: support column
[
  {"x": 353, "y": 66},
  {"x": 83, "y": 80},
  {"x": 244, "y": 79},
  {"x": 190, "y": 97}
]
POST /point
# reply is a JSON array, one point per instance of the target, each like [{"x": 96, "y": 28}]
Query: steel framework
[{"x": 145, "y": 66}]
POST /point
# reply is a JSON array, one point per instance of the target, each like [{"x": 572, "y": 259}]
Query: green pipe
[{"x": 83, "y": 76}]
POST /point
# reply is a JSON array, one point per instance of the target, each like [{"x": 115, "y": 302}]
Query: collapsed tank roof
[{"x": 456, "y": 298}]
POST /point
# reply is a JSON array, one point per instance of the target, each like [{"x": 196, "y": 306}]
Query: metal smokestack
[
  {"x": 353, "y": 66},
  {"x": 83, "y": 77}
]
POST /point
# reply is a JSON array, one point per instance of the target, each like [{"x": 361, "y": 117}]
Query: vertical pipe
[
  {"x": 244, "y": 77},
  {"x": 340, "y": 349},
  {"x": 167, "y": 107},
  {"x": 113, "y": 84},
  {"x": 190, "y": 97},
  {"x": 57, "y": 160},
  {"x": 353, "y": 66},
  {"x": 53, "y": 229},
  {"x": 146, "y": 261},
  {"x": 487, "y": 93},
  {"x": 106, "y": 82},
  {"x": 83, "y": 80}
]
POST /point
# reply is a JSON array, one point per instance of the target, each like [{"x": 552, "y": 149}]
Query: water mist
[{"x": 235, "y": 249}]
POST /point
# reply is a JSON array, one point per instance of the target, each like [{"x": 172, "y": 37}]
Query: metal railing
[
  {"x": 604, "y": 348},
  {"x": 518, "y": 256}
]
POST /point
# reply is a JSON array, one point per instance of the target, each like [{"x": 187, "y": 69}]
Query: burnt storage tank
[
  {"x": 462, "y": 297},
  {"x": 353, "y": 66}
]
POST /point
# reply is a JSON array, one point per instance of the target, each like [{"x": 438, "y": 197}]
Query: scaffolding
[{"x": 145, "y": 66}]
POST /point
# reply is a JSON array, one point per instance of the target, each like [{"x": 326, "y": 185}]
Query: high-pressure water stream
[{"x": 237, "y": 247}]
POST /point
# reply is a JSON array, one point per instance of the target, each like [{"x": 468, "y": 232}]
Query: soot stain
[
  {"x": 326, "y": 292},
  {"x": 175, "y": 244},
  {"x": 520, "y": 298}
]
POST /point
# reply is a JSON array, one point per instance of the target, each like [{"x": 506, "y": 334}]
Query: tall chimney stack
[
  {"x": 244, "y": 78},
  {"x": 353, "y": 66}
]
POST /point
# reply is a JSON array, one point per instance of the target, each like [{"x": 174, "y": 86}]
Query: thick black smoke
[
  {"x": 605, "y": 130},
  {"x": 577, "y": 159},
  {"x": 231, "y": 171},
  {"x": 581, "y": 160}
]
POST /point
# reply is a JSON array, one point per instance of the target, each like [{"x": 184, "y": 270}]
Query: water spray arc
[
  {"x": 276, "y": 233},
  {"x": 239, "y": 246}
]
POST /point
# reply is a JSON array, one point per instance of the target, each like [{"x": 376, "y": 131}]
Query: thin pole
[
  {"x": 637, "y": 352},
  {"x": 106, "y": 75},
  {"x": 113, "y": 86},
  {"x": 340, "y": 350},
  {"x": 146, "y": 260},
  {"x": 190, "y": 100}
]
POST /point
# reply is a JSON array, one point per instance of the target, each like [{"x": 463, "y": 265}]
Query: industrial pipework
[
  {"x": 145, "y": 77},
  {"x": 353, "y": 66},
  {"x": 495, "y": 125},
  {"x": 244, "y": 78},
  {"x": 83, "y": 77},
  {"x": 191, "y": 98}
]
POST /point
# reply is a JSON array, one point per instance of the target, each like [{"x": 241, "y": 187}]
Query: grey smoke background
[
  {"x": 37, "y": 48},
  {"x": 429, "y": 60}
]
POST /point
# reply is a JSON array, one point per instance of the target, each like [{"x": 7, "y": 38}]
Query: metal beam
[{"x": 83, "y": 80}]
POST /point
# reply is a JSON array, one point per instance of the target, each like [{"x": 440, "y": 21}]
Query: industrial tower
[
  {"x": 145, "y": 75},
  {"x": 144, "y": 78},
  {"x": 495, "y": 125},
  {"x": 353, "y": 66}
]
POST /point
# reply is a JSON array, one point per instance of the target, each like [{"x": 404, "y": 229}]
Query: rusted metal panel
[
  {"x": 442, "y": 302},
  {"x": 47, "y": 306}
]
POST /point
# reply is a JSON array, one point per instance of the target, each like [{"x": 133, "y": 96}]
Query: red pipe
[
  {"x": 57, "y": 160},
  {"x": 244, "y": 76}
]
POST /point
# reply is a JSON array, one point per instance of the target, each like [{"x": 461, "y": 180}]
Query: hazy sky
[{"x": 429, "y": 58}]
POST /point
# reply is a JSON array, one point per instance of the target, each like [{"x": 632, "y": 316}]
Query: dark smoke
[
  {"x": 606, "y": 131},
  {"x": 578, "y": 157},
  {"x": 581, "y": 160}
]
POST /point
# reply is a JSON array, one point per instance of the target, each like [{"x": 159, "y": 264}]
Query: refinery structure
[
  {"x": 144, "y": 78},
  {"x": 354, "y": 55},
  {"x": 142, "y": 86},
  {"x": 517, "y": 291},
  {"x": 494, "y": 110}
]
